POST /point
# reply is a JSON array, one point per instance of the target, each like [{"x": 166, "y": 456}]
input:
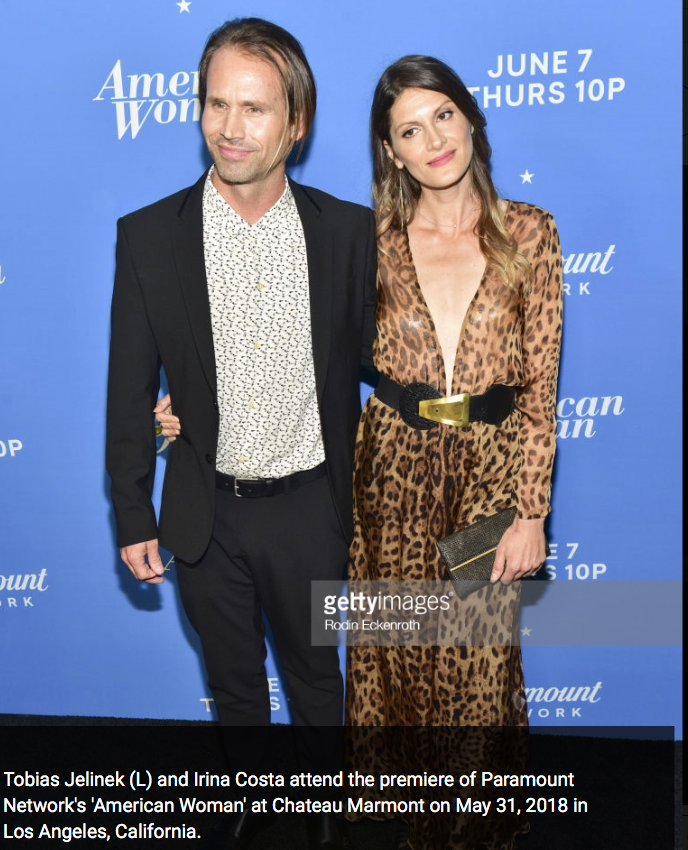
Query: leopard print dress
[{"x": 415, "y": 486}]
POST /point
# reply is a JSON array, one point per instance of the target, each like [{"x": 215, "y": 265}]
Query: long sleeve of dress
[{"x": 541, "y": 345}]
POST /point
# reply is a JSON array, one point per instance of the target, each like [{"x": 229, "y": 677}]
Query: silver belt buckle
[{"x": 237, "y": 481}]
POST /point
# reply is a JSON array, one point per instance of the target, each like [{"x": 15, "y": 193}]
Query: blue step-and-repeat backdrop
[{"x": 100, "y": 116}]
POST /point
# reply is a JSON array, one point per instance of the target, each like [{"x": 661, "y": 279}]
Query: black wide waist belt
[
  {"x": 257, "y": 488},
  {"x": 422, "y": 405}
]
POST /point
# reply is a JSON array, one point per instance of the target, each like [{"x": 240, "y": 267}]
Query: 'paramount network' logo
[
  {"x": 583, "y": 265},
  {"x": 139, "y": 98},
  {"x": 561, "y": 701},
  {"x": 18, "y": 586}
]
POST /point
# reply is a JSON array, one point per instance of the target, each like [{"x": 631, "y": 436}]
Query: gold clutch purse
[{"x": 469, "y": 554}]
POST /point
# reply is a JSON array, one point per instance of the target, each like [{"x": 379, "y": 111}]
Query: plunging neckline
[{"x": 443, "y": 367}]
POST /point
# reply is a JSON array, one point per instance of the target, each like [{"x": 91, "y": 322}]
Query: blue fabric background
[{"x": 583, "y": 108}]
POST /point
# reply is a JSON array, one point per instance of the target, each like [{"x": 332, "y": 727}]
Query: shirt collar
[{"x": 213, "y": 201}]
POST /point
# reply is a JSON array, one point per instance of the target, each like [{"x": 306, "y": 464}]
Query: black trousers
[{"x": 263, "y": 555}]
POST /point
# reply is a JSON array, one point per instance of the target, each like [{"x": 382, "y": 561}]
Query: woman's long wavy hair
[{"x": 396, "y": 192}]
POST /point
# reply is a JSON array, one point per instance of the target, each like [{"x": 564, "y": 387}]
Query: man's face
[{"x": 245, "y": 119}]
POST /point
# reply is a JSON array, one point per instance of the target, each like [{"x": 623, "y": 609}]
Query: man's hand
[
  {"x": 169, "y": 423},
  {"x": 143, "y": 559},
  {"x": 521, "y": 551}
]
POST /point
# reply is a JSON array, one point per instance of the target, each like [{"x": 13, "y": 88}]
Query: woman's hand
[
  {"x": 521, "y": 551},
  {"x": 170, "y": 425}
]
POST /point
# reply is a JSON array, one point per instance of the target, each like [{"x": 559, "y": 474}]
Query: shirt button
[
  {"x": 256, "y": 345},
  {"x": 242, "y": 459},
  {"x": 251, "y": 404},
  {"x": 261, "y": 287}
]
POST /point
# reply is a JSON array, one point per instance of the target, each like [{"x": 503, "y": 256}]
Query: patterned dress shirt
[{"x": 260, "y": 310}]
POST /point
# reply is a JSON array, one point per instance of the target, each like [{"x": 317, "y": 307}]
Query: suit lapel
[
  {"x": 319, "y": 251},
  {"x": 190, "y": 261}
]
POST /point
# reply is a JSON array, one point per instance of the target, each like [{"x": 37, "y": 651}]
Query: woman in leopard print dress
[{"x": 469, "y": 296}]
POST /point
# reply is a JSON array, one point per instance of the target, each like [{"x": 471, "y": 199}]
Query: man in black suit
[{"x": 257, "y": 297}]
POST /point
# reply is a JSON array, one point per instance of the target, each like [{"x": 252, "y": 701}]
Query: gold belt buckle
[{"x": 454, "y": 410}]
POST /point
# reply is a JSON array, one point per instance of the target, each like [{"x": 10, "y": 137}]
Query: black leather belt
[
  {"x": 422, "y": 405},
  {"x": 260, "y": 488}
]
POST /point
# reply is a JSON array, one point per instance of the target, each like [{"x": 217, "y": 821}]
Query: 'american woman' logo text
[
  {"x": 139, "y": 98},
  {"x": 576, "y": 417}
]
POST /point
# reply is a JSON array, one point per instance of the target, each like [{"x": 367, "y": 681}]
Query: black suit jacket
[{"x": 161, "y": 316}]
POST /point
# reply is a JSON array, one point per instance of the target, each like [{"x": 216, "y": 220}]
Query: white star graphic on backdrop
[
  {"x": 525, "y": 632},
  {"x": 526, "y": 177},
  {"x": 183, "y": 6}
]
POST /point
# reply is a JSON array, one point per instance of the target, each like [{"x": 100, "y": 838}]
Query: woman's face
[{"x": 431, "y": 137}]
